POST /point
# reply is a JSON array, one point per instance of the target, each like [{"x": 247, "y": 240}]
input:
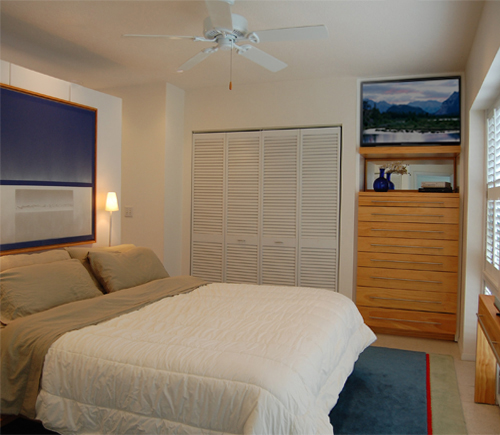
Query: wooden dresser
[{"x": 407, "y": 275}]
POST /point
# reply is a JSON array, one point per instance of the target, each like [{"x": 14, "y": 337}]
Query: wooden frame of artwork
[{"x": 47, "y": 172}]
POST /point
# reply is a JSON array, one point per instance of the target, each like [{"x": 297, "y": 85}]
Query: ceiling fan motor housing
[{"x": 239, "y": 30}]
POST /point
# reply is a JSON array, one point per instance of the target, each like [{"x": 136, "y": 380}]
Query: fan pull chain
[{"x": 231, "y": 67}]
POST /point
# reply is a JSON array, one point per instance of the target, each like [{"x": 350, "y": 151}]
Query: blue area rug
[{"x": 385, "y": 394}]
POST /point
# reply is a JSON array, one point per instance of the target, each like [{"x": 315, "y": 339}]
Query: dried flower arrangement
[{"x": 397, "y": 168}]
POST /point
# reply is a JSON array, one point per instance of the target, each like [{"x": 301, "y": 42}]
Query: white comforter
[{"x": 225, "y": 358}]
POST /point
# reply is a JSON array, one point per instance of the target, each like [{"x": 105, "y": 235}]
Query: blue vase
[
  {"x": 391, "y": 184},
  {"x": 381, "y": 184}
]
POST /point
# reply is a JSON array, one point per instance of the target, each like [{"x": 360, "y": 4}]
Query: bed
[{"x": 105, "y": 341}]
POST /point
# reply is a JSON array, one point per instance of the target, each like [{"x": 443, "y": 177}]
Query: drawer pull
[
  {"x": 409, "y": 202},
  {"x": 408, "y": 214},
  {"x": 241, "y": 240},
  {"x": 278, "y": 242},
  {"x": 408, "y": 231},
  {"x": 404, "y": 320},
  {"x": 405, "y": 300},
  {"x": 407, "y": 262},
  {"x": 406, "y": 279},
  {"x": 406, "y": 246}
]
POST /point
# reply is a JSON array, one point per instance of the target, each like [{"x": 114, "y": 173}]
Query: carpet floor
[{"x": 394, "y": 391}]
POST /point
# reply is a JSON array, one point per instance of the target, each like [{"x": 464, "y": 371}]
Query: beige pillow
[
  {"x": 118, "y": 271},
  {"x": 20, "y": 260},
  {"x": 31, "y": 289},
  {"x": 81, "y": 254}
]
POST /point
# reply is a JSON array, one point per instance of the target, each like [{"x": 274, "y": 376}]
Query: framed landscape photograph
[
  {"x": 411, "y": 112},
  {"x": 47, "y": 171}
]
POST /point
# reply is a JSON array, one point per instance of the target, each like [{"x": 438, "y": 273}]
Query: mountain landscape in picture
[{"x": 411, "y": 112}]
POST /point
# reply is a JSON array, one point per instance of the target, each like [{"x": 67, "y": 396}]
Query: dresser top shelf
[
  {"x": 408, "y": 152},
  {"x": 411, "y": 195}
]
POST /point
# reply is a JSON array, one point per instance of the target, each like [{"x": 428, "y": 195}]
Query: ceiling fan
[{"x": 227, "y": 30}]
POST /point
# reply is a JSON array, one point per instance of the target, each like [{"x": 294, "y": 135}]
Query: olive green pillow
[
  {"x": 31, "y": 289},
  {"x": 81, "y": 253},
  {"x": 121, "y": 270},
  {"x": 20, "y": 260}
]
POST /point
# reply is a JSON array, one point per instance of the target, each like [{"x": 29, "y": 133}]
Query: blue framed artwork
[{"x": 47, "y": 171}]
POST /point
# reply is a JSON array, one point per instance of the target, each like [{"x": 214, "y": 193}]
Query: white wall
[
  {"x": 274, "y": 105},
  {"x": 143, "y": 157},
  {"x": 482, "y": 83},
  {"x": 173, "y": 179},
  {"x": 108, "y": 135},
  {"x": 153, "y": 132}
]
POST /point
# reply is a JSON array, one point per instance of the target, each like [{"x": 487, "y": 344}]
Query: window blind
[{"x": 492, "y": 269}]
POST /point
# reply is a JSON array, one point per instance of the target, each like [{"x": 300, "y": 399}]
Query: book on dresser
[{"x": 407, "y": 274}]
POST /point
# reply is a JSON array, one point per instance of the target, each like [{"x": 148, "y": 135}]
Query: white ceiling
[{"x": 81, "y": 41}]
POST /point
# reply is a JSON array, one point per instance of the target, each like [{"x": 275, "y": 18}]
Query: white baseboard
[{"x": 468, "y": 357}]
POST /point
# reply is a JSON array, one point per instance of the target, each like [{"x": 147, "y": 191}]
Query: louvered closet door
[
  {"x": 319, "y": 207},
  {"x": 279, "y": 207},
  {"x": 242, "y": 209},
  {"x": 208, "y": 207}
]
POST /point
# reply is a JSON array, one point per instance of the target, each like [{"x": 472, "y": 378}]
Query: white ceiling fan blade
[
  {"x": 196, "y": 59},
  {"x": 193, "y": 38},
  {"x": 260, "y": 57},
  {"x": 220, "y": 13},
  {"x": 293, "y": 34}
]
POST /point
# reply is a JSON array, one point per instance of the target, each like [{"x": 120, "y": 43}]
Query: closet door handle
[
  {"x": 406, "y": 262},
  {"x": 406, "y": 279},
  {"x": 408, "y": 231}
]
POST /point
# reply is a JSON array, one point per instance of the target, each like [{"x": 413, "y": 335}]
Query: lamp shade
[{"x": 112, "y": 202}]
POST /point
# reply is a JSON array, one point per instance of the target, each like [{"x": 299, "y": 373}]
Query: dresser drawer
[
  {"x": 489, "y": 321},
  {"x": 403, "y": 230},
  {"x": 408, "y": 246},
  {"x": 439, "y": 263},
  {"x": 408, "y": 279},
  {"x": 410, "y": 322},
  {"x": 408, "y": 200},
  {"x": 409, "y": 214},
  {"x": 415, "y": 300}
]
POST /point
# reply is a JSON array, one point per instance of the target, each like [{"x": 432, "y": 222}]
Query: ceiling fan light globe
[{"x": 225, "y": 43}]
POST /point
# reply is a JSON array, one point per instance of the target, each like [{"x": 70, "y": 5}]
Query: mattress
[{"x": 224, "y": 358}]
